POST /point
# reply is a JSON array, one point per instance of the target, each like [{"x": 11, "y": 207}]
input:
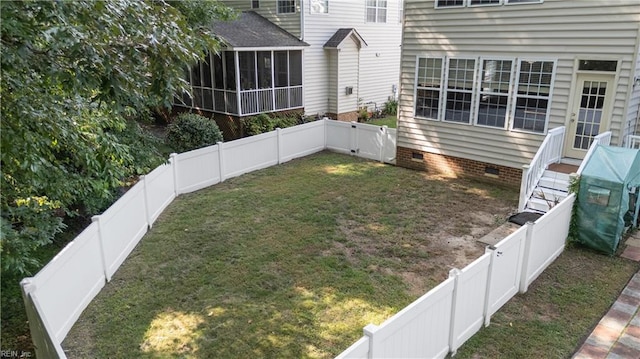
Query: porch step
[
  {"x": 556, "y": 175},
  {"x": 538, "y": 205},
  {"x": 554, "y": 183},
  {"x": 552, "y": 188},
  {"x": 551, "y": 195}
]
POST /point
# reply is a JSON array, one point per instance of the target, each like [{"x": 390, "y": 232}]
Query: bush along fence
[
  {"x": 56, "y": 296},
  {"x": 439, "y": 322}
]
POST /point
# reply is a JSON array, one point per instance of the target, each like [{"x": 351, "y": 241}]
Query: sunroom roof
[{"x": 250, "y": 30}]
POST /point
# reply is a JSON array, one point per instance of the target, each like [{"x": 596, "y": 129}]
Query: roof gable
[
  {"x": 338, "y": 38},
  {"x": 252, "y": 30}
]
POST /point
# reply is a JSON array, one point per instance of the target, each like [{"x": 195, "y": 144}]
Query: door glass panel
[{"x": 589, "y": 113}]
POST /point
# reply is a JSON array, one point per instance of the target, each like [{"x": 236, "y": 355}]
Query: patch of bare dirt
[{"x": 423, "y": 253}]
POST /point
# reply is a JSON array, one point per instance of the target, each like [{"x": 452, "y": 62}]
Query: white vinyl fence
[
  {"x": 439, "y": 322},
  {"x": 56, "y": 296}
]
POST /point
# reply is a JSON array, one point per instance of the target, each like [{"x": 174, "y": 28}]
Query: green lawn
[
  {"x": 291, "y": 261},
  {"x": 390, "y": 121},
  {"x": 558, "y": 311}
]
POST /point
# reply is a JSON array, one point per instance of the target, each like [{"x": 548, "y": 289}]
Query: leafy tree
[{"x": 73, "y": 75}]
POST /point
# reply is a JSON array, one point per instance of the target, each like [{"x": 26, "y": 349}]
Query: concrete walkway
[{"x": 617, "y": 335}]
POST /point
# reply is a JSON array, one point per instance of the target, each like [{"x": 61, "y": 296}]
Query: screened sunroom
[{"x": 259, "y": 70}]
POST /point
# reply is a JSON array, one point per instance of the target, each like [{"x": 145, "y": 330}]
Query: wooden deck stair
[{"x": 552, "y": 188}]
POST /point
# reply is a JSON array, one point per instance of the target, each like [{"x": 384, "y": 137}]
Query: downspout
[{"x": 302, "y": 20}]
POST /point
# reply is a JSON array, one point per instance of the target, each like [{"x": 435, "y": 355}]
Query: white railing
[
  {"x": 550, "y": 151},
  {"x": 254, "y": 102},
  {"x": 633, "y": 141},
  {"x": 439, "y": 322},
  {"x": 603, "y": 139},
  {"x": 56, "y": 296}
]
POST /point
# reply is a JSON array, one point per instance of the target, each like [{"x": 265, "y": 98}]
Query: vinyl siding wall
[
  {"x": 347, "y": 76},
  {"x": 269, "y": 10},
  {"x": 559, "y": 30},
  {"x": 633, "y": 109},
  {"x": 379, "y": 61}
]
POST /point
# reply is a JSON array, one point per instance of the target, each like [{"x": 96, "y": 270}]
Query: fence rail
[
  {"x": 434, "y": 325},
  {"x": 440, "y": 321},
  {"x": 56, "y": 296}
]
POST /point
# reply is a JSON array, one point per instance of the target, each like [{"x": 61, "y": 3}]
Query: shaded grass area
[
  {"x": 290, "y": 261},
  {"x": 15, "y": 334},
  {"x": 558, "y": 311},
  {"x": 390, "y": 121}
]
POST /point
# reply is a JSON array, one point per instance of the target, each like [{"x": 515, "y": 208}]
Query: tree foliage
[{"x": 73, "y": 76}]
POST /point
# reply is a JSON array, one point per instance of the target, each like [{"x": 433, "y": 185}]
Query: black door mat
[{"x": 524, "y": 217}]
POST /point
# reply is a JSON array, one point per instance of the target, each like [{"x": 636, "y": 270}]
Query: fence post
[
  {"x": 487, "y": 298},
  {"x": 384, "y": 142},
  {"x": 523, "y": 188},
  {"x": 221, "y": 160},
  {"x": 279, "y": 139},
  {"x": 97, "y": 221},
  {"x": 524, "y": 272},
  {"x": 174, "y": 166},
  {"x": 143, "y": 179},
  {"x": 353, "y": 138},
  {"x": 369, "y": 331},
  {"x": 455, "y": 274},
  {"x": 324, "y": 128}
]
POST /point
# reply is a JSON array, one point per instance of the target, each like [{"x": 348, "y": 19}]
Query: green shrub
[
  {"x": 190, "y": 131},
  {"x": 391, "y": 107},
  {"x": 262, "y": 123}
]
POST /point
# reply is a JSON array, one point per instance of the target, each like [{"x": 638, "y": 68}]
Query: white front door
[{"x": 590, "y": 112}]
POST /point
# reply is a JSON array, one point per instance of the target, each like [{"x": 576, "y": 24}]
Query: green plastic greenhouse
[{"x": 608, "y": 197}]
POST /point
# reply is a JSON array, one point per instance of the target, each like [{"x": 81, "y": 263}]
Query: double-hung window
[
  {"x": 428, "y": 87},
  {"x": 459, "y": 90},
  {"x": 512, "y": 94},
  {"x": 533, "y": 95},
  {"x": 376, "y": 10},
  {"x": 286, "y": 6},
  {"x": 493, "y": 94}
]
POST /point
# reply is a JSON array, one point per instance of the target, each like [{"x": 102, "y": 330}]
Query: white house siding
[
  {"x": 559, "y": 30},
  {"x": 633, "y": 109},
  {"x": 269, "y": 10},
  {"x": 331, "y": 84},
  {"x": 347, "y": 76},
  {"x": 379, "y": 61}
]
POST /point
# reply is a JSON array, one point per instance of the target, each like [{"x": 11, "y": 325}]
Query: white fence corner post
[
  {"x": 221, "y": 160},
  {"x": 455, "y": 274},
  {"x": 96, "y": 220},
  {"x": 324, "y": 128},
  {"x": 279, "y": 145},
  {"x": 173, "y": 159},
  {"x": 524, "y": 272},
  {"x": 369, "y": 331},
  {"x": 487, "y": 299}
]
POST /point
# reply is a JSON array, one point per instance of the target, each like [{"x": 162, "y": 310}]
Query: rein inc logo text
[{"x": 15, "y": 354}]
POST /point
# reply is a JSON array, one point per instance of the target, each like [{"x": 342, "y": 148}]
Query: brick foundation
[{"x": 431, "y": 162}]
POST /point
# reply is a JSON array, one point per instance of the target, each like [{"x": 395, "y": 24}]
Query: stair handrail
[
  {"x": 550, "y": 151},
  {"x": 633, "y": 141},
  {"x": 603, "y": 139}
]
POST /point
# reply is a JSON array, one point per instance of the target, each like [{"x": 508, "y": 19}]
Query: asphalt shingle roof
[
  {"x": 340, "y": 35},
  {"x": 252, "y": 30}
]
